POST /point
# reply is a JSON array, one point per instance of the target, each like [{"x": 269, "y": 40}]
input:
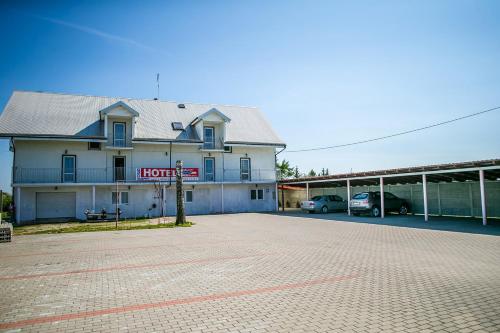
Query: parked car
[
  {"x": 324, "y": 204},
  {"x": 369, "y": 202}
]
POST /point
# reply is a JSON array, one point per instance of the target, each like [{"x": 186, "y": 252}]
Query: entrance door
[
  {"x": 209, "y": 169},
  {"x": 118, "y": 168}
]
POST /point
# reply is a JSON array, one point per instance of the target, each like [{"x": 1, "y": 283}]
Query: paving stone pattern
[{"x": 252, "y": 273}]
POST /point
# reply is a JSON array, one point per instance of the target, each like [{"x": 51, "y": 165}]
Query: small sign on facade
[{"x": 165, "y": 174}]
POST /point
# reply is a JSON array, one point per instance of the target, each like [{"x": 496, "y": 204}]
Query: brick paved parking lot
[{"x": 253, "y": 273}]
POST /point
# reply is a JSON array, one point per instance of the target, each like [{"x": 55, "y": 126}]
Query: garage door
[{"x": 55, "y": 205}]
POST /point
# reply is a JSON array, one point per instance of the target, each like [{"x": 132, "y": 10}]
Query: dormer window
[
  {"x": 208, "y": 137},
  {"x": 177, "y": 126},
  {"x": 119, "y": 134}
]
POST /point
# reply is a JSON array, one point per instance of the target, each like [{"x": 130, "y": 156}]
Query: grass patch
[{"x": 62, "y": 228}]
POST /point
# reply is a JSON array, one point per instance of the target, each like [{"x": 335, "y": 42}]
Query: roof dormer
[
  {"x": 119, "y": 124},
  {"x": 119, "y": 109},
  {"x": 213, "y": 115}
]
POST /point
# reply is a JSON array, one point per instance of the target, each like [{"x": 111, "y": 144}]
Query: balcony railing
[
  {"x": 111, "y": 175},
  {"x": 213, "y": 145}
]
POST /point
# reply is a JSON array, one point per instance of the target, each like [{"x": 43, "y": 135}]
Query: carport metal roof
[{"x": 452, "y": 172}]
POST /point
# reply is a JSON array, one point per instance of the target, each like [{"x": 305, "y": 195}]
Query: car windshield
[
  {"x": 316, "y": 198},
  {"x": 360, "y": 196}
]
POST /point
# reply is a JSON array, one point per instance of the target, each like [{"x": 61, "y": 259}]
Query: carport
[{"x": 457, "y": 189}]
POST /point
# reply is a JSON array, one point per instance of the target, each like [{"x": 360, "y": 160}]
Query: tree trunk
[{"x": 181, "y": 216}]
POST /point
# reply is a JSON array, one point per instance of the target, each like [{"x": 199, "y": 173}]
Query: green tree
[
  {"x": 312, "y": 173},
  {"x": 284, "y": 169},
  {"x": 7, "y": 199},
  {"x": 296, "y": 172}
]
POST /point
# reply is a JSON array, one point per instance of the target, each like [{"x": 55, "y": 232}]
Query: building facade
[{"x": 77, "y": 153}]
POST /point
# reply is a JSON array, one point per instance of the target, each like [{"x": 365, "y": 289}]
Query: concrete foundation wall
[{"x": 459, "y": 199}]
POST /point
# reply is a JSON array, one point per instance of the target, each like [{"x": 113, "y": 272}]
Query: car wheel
[
  {"x": 375, "y": 211},
  {"x": 324, "y": 209},
  {"x": 403, "y": 210},
  {"x": 355, "y": 214}
]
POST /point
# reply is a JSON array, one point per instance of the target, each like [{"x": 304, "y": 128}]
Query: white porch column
[
  {"x": 382, "y": 203},
  {"x": 307, "y": 191},
  {"x": 93, "y": 199},
  {"x": 222, "y": 197},
  {"x": 424, "y": 187},
  {"x": 18, "y": 204},
  {"x": 164, "y": 198},
  {"x": 349, "y": 197},
  {"x": 106, "y": 126},
  {"x": 483, "y": 196}
]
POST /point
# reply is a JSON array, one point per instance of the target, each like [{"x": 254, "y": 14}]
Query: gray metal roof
[
  {"x": 436, "y": 173},
  {"x": 42, "y": 114}
]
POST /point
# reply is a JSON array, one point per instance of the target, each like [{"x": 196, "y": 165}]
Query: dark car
[{"x": 369, "y": 202}]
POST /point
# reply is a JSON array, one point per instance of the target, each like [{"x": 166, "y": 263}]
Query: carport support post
[
  {"x": 382, "y": 203},
  {"x": 483, "y": 196},
  {"x": 349, "y": 197},
  {"x": 276, "y": 190},
  {"x": 424, "y": 187},
  {"x": 307, "y": 191},
  {"x": 93, "y": 199}
]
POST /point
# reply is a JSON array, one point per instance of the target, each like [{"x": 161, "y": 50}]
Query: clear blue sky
[{"x": 324, "y": 72}]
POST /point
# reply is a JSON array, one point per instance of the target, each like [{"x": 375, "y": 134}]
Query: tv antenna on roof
[{"x": 158, "y": 85}]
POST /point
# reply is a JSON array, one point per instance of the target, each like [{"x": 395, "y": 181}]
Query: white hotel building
[{"x": 72, "y": 152}]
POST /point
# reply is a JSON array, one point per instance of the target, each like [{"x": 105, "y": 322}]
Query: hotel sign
[{"x": 165, "y": 174}]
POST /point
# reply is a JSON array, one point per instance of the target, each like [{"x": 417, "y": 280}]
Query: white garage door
[{"x": 55, "y": 205}]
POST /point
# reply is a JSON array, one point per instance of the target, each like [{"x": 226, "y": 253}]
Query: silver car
[{"x": 324, "y": 204}]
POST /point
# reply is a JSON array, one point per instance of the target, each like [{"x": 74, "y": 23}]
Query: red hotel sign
[{"x": 165, "y": 174}]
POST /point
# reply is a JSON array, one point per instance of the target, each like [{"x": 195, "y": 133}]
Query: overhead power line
[{"x": 395, "y": 134}]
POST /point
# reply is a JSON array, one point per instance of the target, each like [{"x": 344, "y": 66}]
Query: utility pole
[
  {"x": 116, "y": 204},
  {"x": 181, "y": 217},
  {"x": 158, "y": 86}
]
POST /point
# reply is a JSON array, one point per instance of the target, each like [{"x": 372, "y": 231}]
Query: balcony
[
  {"x": 213, "y": 145},
  {"x": 119, "y": 144},
  {"x": 112, "y": 175}
]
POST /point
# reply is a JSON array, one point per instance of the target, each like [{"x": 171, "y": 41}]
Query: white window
[
  {"x": 209, "y": 137},
  {"x": 69, "y": 168},
  {"x": 257, "y": 194},
  {"x": 209, "y": 169},
  {"x": 188, "y": 196},
  {"x": 245, "y": 169},
  {"x": 119, "y": 134},
  {"x": 122, "y": 198}
]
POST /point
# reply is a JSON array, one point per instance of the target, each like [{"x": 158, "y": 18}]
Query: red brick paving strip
[
  {"x": 107, "y": 249},
  {"x": 173, "y": 302},
  {"x": 124, "y": 267}
]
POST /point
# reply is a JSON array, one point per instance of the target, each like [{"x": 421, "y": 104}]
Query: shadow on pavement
[{"x": 455, "y": 224}]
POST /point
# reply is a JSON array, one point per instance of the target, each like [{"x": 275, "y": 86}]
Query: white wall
[
  {"x": 207, "y": 199},
  {"x": 48, "y": 154}
]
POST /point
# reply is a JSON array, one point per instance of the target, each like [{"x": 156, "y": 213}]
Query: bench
[{"x": 104, "y": 216}]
